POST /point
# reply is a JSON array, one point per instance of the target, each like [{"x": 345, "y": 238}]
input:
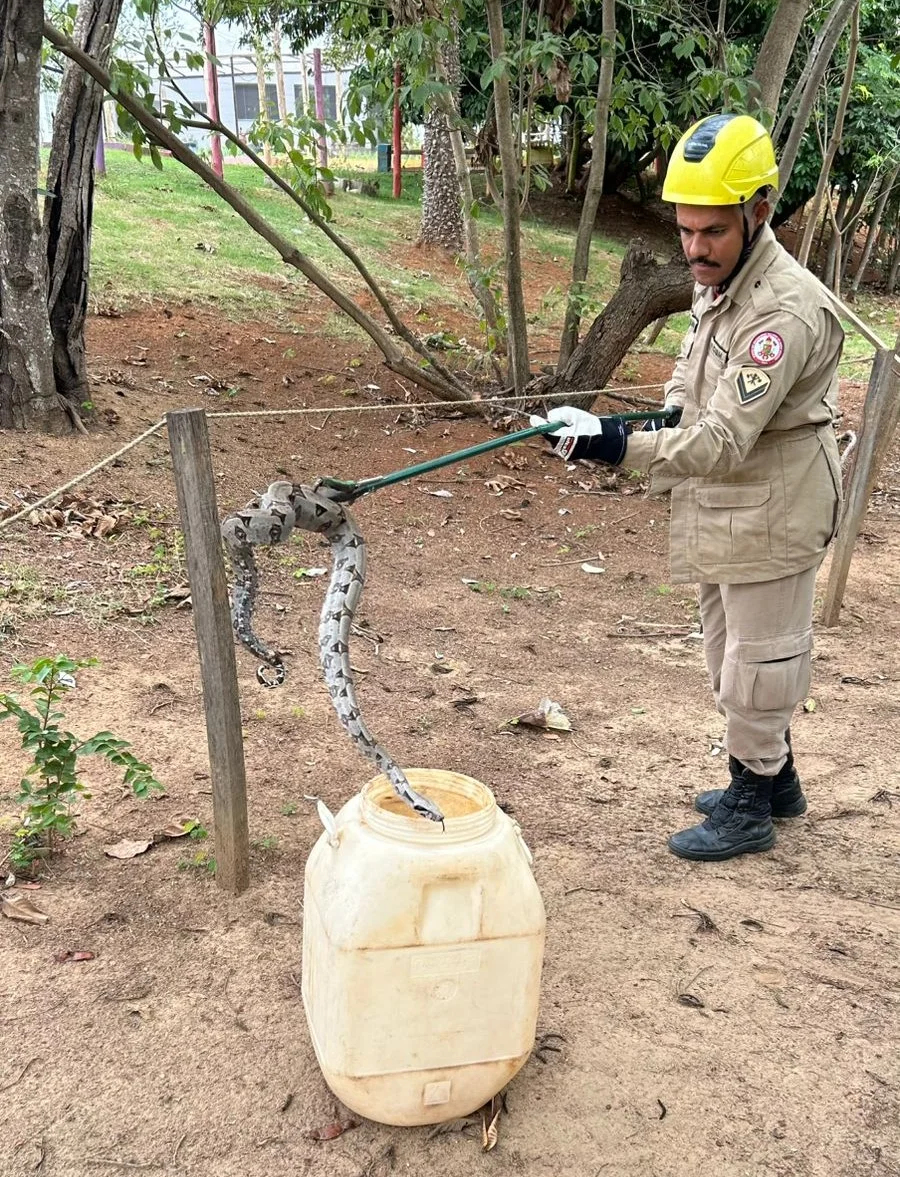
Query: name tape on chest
[
  {"x": 766, "y": 348},
  {"x": 717, "y": 351},
  {"x": 752, "y": 384}
]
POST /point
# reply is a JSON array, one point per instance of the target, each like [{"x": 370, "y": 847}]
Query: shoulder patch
[
  {"x": 766, "y": 348},
  {"x": 752, "y": 384}
]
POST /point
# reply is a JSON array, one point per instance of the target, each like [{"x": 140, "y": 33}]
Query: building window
[
  {"x": 246, "y": 102},
  {"x": 329, "y": 95}
]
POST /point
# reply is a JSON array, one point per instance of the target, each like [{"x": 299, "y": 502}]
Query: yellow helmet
[{"x": 723, "y": 159}]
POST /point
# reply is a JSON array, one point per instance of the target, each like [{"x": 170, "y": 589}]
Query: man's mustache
[{"x": 703, "y": 261}]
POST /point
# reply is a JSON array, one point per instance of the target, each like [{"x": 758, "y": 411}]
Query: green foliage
[
  {"x": 51, "y": 783},
  {"x": 201, "y": 861}
]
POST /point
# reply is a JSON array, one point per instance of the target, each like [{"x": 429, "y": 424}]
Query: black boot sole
[{"x": 756, "y": 846}]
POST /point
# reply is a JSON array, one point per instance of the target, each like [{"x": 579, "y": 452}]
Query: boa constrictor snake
[{"x": 315, "y": 508}]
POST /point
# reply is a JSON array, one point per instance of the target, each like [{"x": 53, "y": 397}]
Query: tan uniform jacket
[{"x": 753, "y": 466}]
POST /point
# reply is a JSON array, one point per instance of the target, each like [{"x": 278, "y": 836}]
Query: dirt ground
[{"x": 733, "y": 1020}]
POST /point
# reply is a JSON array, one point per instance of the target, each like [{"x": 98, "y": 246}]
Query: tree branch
[
  {"x": 214, "y": 125},
  {"x": 393, "y": 357},
  {"x": 511, "y": 167},
  {"x": 594, "y": 187}
]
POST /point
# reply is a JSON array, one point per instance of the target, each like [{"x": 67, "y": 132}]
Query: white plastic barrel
[{"x": 422, "y": 951}]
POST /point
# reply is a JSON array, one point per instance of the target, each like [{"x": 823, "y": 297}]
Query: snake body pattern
[{"x": 315, "y": 508}]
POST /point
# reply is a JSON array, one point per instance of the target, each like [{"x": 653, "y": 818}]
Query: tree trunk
[
  {"x": 720, "y": 37},
  {"x": 594, "y": 188},
  {"x": 827, "y": 219},
  {"x": 475, "y": 274},
  {"x": 259, "y": 54},
  {"x": 834, "y": 142},
  {"x": 322, "y": 142},
  {"x": 27, "y": 389},
  {"x": 511, "y": 169},
  {"x": 647, "y": 291},
  {"x": 864, "y": 186},
  {"x": 280, "y": 93},
  {"x": 848, "y": 227},
  {"x": 69, "y": 209},
  {"x": 775, "y": 55},
  {"x": 442, "y": 222},
  {"x": 304, "y": 83},
  {"x": 874, "y": 227},
  {"x": 211, "y": 84},
  {"x": 655, "y": 331},
  {"x": 804, "y": 94},
  {"x": 834, "y": 242},
  {"x": 891, "y": 282},
  {"x": 573, "y": 157}
]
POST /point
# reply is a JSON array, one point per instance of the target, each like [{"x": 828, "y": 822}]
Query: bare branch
[{"x": 393, "y": 357}]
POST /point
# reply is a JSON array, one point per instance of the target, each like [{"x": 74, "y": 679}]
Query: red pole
[
  {"x": 397, "y": 150},
  {"x": 212, "y": 95}
]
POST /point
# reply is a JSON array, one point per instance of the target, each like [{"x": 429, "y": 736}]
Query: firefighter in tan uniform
[{"x": 752, "y": 463}]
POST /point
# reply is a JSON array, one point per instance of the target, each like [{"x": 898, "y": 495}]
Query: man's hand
[
  {"x": 668, "y": 420},
  {"x": 603, "y": 439}
]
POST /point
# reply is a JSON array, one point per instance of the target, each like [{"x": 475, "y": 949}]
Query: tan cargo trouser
[{"x": 757, "y": 639}]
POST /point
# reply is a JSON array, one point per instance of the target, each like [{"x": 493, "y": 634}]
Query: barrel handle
[
  {"x": 326, "y": 817},
  {"x": 523, "y": 845}
]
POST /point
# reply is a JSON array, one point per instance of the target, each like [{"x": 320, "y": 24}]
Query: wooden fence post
[
  {"x": 189, "y": 442},
  {"x": 880, "y": 413}
]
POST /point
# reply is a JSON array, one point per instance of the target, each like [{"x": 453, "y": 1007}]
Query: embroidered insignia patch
[
  {"x": 767, "y": 348},
  {"x": 752, "y": 384},
  {"x": 719, "y": 353}
]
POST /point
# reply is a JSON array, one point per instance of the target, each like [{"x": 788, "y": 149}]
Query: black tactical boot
[
  {"x": 787, "y": 795},
  {"x": 741, "y": 822}
]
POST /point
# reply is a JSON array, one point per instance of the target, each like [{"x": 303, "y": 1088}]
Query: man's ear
[{"x": 762, "y": 212}]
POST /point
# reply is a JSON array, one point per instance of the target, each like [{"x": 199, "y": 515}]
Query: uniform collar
[{"x": 761, "y": 257}]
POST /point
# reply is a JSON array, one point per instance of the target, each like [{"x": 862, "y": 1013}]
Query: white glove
[{"x": 586, "y": 436}]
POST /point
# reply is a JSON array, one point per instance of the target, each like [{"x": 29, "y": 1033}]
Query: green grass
[{"x": 165, "y": 236}]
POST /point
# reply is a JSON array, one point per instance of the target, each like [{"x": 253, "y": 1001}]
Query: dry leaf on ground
[
  {"x": 69, "y": 955},
  {"x": 128, "y": 848},
  {"x": 84, "y": 516},
  {"x": 331, "y": 1131},
  {"x": 17, "y": 907},
  {"x": 503, "y": 482},
  {"x": 176, "y": 829},
  {"x": 512, "y": 460}
]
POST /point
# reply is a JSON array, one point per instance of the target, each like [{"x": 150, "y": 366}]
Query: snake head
[
  {"x": 277, "y": 494},
  {"x": 425, "y": 808}
]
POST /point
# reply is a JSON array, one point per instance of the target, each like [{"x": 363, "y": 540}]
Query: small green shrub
[{"x": 51, "y": 784}]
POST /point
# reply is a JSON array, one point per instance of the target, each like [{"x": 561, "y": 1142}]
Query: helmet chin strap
[{"x": 750, "y": 240}]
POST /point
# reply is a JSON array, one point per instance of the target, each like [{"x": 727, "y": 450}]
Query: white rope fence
[{"x": 396, "y": 406}]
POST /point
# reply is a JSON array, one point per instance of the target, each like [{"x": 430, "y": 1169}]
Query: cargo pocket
[
  {"x": 733, "y": 523},
  {"x": 774, "y": 674}
]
